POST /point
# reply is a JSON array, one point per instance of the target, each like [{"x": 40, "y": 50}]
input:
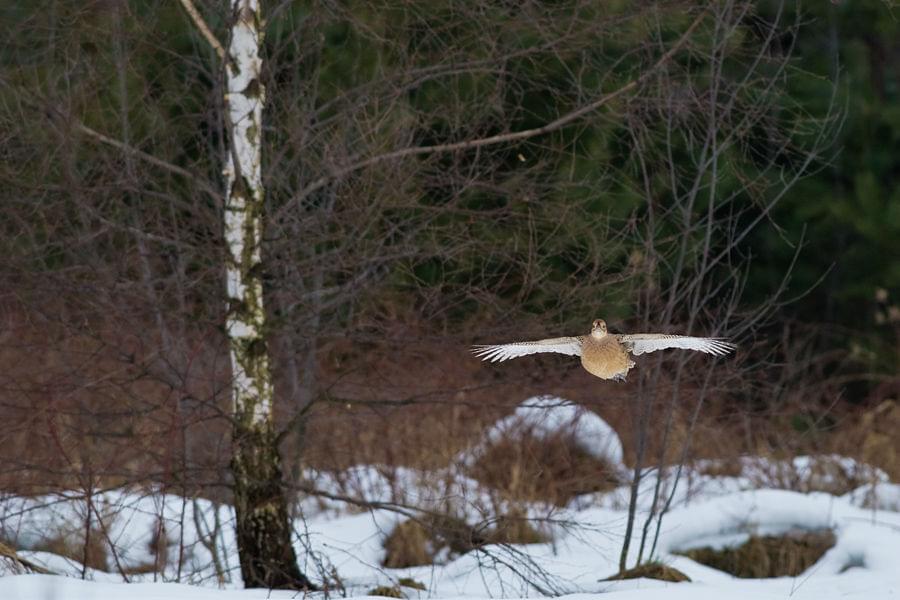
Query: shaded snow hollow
[{"x": 707, "y": 510}]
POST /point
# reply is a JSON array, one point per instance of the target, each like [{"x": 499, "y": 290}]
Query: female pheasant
[{"x": 603, "y": 354}]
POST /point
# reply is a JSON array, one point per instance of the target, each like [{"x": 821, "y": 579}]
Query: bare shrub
[{"x": 836, "y": 475}]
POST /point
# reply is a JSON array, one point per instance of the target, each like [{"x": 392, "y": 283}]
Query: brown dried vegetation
[
  {"x": 408, "y": 545},
  {"x": 387, "y": 591},
  {"x": 785, "y": 555},
  {"x": 652, "y": 570},
  {"x": 413, "y": 543},
  {"x": 94, "y": 554},
  {"x": 551, "y": 468},
  {"x": 13, "y": 563}
]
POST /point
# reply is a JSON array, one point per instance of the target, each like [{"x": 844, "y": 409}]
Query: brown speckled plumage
[{"x": 605, "y": 358}]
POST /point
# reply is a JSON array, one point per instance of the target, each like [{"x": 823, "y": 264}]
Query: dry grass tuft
[
  {"x": 414, "y": 543},
  {"x": 448, "y": 531},
  {"x": 768, "y": 556},
  {"x": 652, "y": 570},
  {"x": 825, "y": 473},
  {"x": 94, "y": 554},
  {"x": 411, "y": 583},
  {"x": 876, "y": 435},
  {"x": 408, "y": 545},
  {"x": 387, "y": 591},
  {"x": 17, "y": 565},
  {"x": 516, "y": 528},
  {"x": 553, "y": 469}
]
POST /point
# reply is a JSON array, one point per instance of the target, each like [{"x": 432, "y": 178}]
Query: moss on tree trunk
[{"x": 263, "y": 525}]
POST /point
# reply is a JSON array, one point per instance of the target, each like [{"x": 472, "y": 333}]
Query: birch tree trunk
[{"x": 263, "y": 526}]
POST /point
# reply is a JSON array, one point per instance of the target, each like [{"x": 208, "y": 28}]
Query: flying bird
[{"x": 603, "y": 354}]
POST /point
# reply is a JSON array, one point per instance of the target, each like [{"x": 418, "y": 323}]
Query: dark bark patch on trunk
[{"x": 263, "y": 526}]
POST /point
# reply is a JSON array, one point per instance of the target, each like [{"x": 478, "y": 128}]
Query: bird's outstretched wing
[
  {"x": 643, "y": 343},
  {"x": 501, "y": 352}
]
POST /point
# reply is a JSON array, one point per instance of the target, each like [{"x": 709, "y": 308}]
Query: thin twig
[
  {"x": 198, "y": 20},
  {"x": 148, "y": 158}
]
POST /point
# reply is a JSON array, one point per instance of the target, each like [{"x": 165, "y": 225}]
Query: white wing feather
[
  {"x": 501, "y": 352},
  {"x": 643, "y": 343}
]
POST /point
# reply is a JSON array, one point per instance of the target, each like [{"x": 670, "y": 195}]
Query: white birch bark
[
  {"x": 261, "y": 508},
  {"x": 245, "y": 96}
]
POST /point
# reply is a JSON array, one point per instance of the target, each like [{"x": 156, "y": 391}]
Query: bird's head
[{"x": 598, "y": 328}]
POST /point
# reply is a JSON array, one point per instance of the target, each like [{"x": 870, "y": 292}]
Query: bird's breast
[{"x": 604, "y": 358}]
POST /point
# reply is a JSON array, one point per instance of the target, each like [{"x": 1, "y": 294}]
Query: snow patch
[{"x": 585, "y": 548}]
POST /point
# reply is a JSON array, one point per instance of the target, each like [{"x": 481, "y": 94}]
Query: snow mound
[{"x": 730, "y": 520}]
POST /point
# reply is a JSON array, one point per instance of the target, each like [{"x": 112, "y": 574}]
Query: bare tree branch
[
  {"x": 149, "y": 158},
  {"x": 200, "y": 23},
  {"x": 514, "y": 136}
]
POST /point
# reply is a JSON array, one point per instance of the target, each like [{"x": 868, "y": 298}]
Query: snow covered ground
[{"x": 584, "y": 548}]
